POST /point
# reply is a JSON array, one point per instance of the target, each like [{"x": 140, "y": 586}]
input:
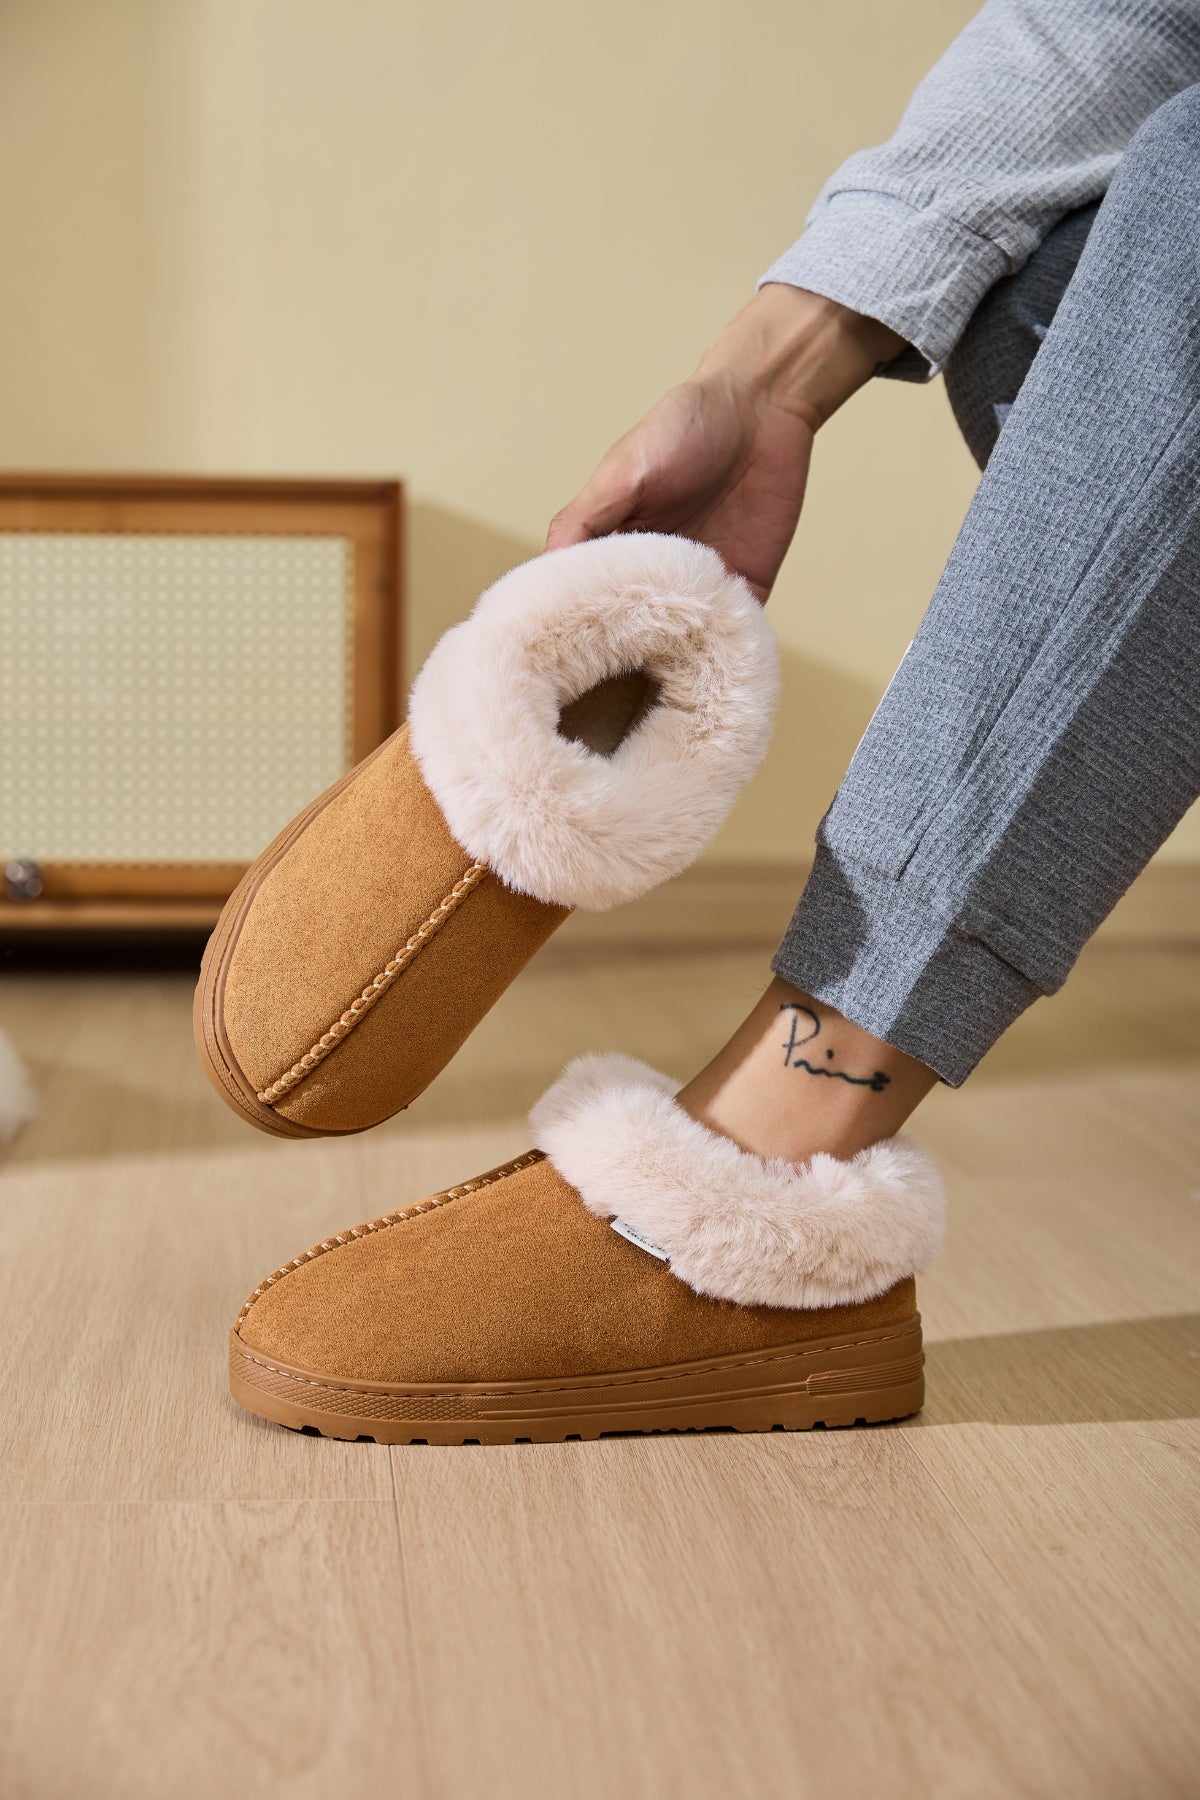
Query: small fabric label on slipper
[{"x": 635, "y": 1237}]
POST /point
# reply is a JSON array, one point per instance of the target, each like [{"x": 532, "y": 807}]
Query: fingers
[
  {"x": 606, "y": 503},
  {"x": 570, "y": 526},
  {"x": 587, "y": 516}
]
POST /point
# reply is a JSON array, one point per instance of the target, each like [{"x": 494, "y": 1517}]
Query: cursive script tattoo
[{"x": 796, "y": 1037}]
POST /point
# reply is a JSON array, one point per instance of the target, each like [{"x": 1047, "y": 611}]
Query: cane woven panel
[{"x": 168, "y": 698}]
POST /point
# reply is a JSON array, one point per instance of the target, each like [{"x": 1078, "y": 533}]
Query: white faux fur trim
[
  {"x": 736, "y": 1226},
  {"x": 549, "y": 816},
  {"x": 16, "y": 1092}
]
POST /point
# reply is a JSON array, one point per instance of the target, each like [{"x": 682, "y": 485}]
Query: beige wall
[{"x": 468, "y": 244}]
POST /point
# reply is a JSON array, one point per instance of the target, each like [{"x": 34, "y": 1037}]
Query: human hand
[{"x": 723, "y": 458}]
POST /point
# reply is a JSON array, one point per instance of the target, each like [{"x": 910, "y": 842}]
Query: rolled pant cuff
[{"x": 885, "y": 957}]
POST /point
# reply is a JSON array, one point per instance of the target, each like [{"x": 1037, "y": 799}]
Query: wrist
[{"x": 799, "y": 350}]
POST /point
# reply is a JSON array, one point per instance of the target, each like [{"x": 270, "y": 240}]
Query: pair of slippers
[{"x": 575, "y": 742}]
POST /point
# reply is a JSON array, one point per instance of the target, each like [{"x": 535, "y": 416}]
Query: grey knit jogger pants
[{"x": 1042, "y": 734}]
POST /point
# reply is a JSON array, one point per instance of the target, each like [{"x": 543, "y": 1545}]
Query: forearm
[
  {"x": 1023, "y": 120},
  {"x": 799, "y": 350}
]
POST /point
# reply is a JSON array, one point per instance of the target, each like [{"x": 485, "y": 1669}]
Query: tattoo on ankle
[{"x": 876, "y": 1082}]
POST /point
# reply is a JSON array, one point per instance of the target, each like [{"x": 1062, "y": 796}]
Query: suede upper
[
  {"x": 513, "y": 1280},
  {"x": 362, "y": 877}
]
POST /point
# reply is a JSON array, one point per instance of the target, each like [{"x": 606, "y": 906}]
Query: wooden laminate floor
[{"x": 1000, "y": 1598}]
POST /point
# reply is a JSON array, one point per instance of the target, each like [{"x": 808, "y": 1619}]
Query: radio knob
[{"x": 22, "y": 880}]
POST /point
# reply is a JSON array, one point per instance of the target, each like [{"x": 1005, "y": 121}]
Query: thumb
[{"x": 604, "y": 505}]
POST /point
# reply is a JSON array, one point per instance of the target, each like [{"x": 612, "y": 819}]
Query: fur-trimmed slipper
[
  {"x": 16, "y": 1092},
  {"x": 575, "y": 742},
  {"x": 636, "y": 1272}
]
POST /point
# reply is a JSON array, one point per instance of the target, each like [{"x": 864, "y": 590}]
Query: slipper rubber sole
[
  {"x": 217, "y": 1057},
  {"x": 869, "y": 1378}
]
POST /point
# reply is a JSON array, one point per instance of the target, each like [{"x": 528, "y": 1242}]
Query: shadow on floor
[
  {"x": 84, "y": 1114},
  {"x": 1122, "y": 1371}
]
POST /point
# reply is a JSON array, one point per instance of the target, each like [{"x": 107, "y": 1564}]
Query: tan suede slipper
[
  {"x": 575, "y": 742},
  {"x": 636, "y": 1272}
]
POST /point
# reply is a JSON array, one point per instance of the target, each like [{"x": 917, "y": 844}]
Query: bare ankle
[{"x": 797, "y": 1078}]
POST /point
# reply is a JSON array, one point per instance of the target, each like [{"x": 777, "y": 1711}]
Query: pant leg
[
  {"x": 1042, "y": 735},
  {"x": 989, "y": 364}
]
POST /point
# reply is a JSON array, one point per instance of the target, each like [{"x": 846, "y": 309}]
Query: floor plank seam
[{"x": 424, "y": 1743}]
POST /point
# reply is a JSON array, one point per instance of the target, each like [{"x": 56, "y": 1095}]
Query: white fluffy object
[
  {"x": 548, "y": 815},
  {"x": 735, "y": 1226},
  {"x": 16, "y": 1092}
]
